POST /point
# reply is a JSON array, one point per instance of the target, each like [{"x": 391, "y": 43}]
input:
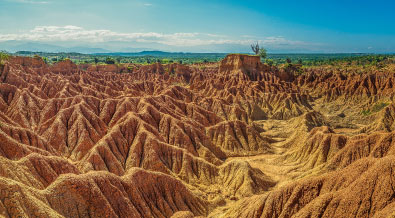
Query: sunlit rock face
[{"x": 234, "y": 139}]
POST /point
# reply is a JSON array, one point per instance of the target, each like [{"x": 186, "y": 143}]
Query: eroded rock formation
[{"x": 239, "y": 140}]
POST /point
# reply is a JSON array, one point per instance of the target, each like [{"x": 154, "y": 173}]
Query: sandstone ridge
[{"x": 235, "y": 139}]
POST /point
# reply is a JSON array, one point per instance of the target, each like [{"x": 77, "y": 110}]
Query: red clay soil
[{"x": 241, "y": 139}]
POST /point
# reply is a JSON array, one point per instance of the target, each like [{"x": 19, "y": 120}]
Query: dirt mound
[
  {"x": 233, "y": 139},
  {"x": 364, "y": 189}
]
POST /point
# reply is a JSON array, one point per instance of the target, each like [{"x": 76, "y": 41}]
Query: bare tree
[{"x": 255, "y": 48}]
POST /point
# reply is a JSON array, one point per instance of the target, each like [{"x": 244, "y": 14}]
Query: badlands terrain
[{"x": 231, "y": 139}]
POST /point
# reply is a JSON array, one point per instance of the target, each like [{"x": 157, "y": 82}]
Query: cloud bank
[{"x": 72, "y": 33}]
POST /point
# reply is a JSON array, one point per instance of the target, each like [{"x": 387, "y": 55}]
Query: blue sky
[{"x": 204, "y": 25}]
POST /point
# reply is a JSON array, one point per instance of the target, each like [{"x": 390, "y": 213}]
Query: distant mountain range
[
  {"x": 160, "y": 54},
  {"x": 130, "y": 49},
  {"x": 113, "y": 47},
  {"x": 14, "y": 46}
]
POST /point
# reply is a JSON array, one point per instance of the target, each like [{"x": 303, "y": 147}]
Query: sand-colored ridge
[{"x": 234, "y": 139}]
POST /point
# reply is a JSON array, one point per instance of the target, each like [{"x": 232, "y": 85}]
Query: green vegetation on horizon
[{"x": 149, "y": 57}]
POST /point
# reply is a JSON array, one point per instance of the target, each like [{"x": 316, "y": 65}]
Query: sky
[{"x": 304, "y": 26}]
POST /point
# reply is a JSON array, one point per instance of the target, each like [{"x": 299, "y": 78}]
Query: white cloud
[
  {"x": 147, "y": 4},
  {"x": 79, "y": 34},
  {"x": 280, "y": 40}
]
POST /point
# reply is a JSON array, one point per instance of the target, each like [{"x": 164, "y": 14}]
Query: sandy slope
[{"x": 240, "y": 139}]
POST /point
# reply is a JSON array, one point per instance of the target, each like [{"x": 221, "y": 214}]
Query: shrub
[
  {"x": 379, "y": 106},
  {"x": 270, "y": 62},
  {"x": 262, "y": 53},
  {"x": 376, "y": 108},
  {"x": 3, "y": 57},
  {"x": 366, "y": 112},
  {"x": 110, "y": 60}
]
